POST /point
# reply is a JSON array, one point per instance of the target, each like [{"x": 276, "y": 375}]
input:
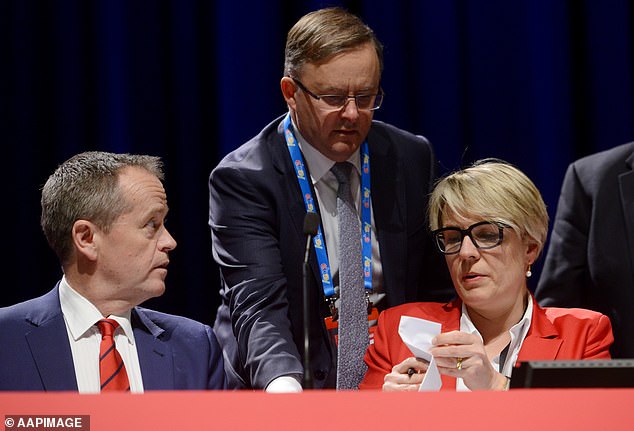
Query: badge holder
[{"x": 332, "y": 321}]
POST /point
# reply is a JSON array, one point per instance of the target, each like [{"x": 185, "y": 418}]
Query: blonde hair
[{"x": 493, "y": 190}]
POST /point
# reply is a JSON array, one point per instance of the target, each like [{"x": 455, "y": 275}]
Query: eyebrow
[
  {"x": 157, "y": 209},
  {"x": 332, "y": 90}
]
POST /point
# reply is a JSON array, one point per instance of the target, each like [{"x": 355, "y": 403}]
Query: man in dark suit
[
  {"x": 103, "y": 214},
  {"x": 590, "y": 259},
  {"x": 261, "y": 192}
]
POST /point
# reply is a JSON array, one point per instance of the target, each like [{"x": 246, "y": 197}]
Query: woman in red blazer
[{"x": 490, "y": 222}]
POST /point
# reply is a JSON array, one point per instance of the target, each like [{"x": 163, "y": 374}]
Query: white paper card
[
  {"x": 417, "y": 335},
  {"x": 431, "y": 381}
]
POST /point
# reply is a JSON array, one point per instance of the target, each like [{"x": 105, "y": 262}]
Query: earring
[{"x": 528, "y": 272}]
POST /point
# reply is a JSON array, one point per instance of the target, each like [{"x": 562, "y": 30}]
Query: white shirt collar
[
  {"x": 466, "y": 325},
  {"x": 81, "y": 315}
]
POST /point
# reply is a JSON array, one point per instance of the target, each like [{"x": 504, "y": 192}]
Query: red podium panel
[{"x": 522, "y": 409}]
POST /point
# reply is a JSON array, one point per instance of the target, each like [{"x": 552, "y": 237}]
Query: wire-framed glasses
[{"x": 334, "y": 102}]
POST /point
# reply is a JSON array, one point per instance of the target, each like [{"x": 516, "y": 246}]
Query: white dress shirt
[{"x": 81, "y": 316}]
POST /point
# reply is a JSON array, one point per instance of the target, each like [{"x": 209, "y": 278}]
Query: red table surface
[{"x": 521, "y": 409}]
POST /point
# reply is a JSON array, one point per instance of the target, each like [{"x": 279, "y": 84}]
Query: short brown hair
[{"x": 321, "y": 34}]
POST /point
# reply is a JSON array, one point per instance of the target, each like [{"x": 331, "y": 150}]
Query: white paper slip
[{"x": 417, "y": 335}]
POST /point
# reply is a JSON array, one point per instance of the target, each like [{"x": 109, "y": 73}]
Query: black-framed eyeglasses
[
  {"x": 334, "y": 102},
  {"x": 484, "y": 235}
]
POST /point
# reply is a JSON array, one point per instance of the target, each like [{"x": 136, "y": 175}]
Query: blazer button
[{"x": 320, "y": 374}]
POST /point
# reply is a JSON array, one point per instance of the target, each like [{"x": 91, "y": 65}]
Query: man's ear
[
  {"x": 84, "y": 235},
  {"x": 288, "y": 91}
]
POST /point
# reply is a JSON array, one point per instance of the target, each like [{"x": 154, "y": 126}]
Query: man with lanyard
[{"x": 261, "y": 192}]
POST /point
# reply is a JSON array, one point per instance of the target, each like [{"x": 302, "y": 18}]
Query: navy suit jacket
[
  {"x": 590, "y": 259},
  {"x": 35, "y": 355},
  {"x": 256, "y": 215}
]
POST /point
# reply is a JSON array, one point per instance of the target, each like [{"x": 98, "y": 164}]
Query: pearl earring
[{"x": 528, "y": 272}]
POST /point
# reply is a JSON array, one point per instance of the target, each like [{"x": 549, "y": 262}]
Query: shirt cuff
[{"x": 284, "y": 384}]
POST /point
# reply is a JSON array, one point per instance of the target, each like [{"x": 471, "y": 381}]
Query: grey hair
[{"x": 86, "y": 187}]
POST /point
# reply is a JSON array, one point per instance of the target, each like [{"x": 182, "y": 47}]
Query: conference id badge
[{"x": 333, "y": 326}]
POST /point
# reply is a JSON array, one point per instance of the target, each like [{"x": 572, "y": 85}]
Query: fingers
[
  {"x": 454, "y": 366},
  {"x": 456, "y": 352},
  {"x": 453, "y": 349},
  {"x": 475, "y": 371},
  {"x": 455, "y": 338},
  {"x": 411, "y": 366},
  {"x": 390, "y": 386},
  {"x": 406, "y": 376}
]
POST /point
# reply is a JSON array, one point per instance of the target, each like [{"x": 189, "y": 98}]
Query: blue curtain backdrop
[{"x": 536, "y": 82}]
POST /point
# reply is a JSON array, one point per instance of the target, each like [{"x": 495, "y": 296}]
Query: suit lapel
[
  {"x": 155, "y": 356},
  {"x": 49, "y": 345},
  {"x": 388, "y": 201},
  {"x": 536, "y": 348},
  {"x": 626, "y": 189},
  {"x": 288, "y": 182},
  {"x": 542, "y": 342}
]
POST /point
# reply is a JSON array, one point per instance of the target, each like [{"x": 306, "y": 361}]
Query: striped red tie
[{"x": 111, "y": 367}]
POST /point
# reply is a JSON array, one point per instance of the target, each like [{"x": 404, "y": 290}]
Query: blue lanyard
[{"x": 366, "y": 201}]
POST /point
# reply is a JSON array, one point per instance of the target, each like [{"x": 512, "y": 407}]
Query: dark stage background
[{"x": 536, "y": 82}]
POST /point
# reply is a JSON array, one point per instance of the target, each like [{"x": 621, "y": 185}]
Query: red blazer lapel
[{"x": 541, "y": 342}]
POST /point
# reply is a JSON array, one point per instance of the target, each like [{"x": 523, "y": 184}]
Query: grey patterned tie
[{"x": 353, "y": 311}]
